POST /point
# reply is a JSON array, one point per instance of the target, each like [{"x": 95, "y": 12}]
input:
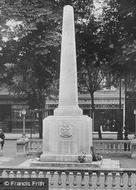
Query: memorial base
[
  {"x": 66, "y": 165},
  {"x": 101, "y": 164},
  {"x": 65, "y": 138},
  {"x": 64, "y": 158}
]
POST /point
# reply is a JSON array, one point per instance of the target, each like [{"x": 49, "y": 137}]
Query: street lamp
[
  {"x": 135, "y": 121},
  {"x": 22, "y": 143},
  {"x": 23, "y": 114}
]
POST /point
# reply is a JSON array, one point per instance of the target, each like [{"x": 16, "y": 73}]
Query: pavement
[{"x": 9, "y": 157}]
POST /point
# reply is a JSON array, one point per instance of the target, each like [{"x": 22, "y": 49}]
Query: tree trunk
[
  {"x": 92, "y": 109},
  {"x": 40, "y": 124},
  {"x": 125, "y": 98},
  {"x": 120, "y": 92},
  {"x": 92, "y": 104}
]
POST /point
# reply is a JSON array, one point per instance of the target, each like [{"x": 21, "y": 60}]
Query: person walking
[
  {"x": 100, "y": 130},
  {"x": 2, "y": 138}
]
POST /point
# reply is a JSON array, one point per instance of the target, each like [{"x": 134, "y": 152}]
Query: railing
[
  {"x": 112, "y": 146},
  {"x": 100, "y": 146},
  {"x": 62, "y": 178}
]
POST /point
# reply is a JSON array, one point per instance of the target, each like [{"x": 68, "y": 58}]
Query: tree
[
  {"x": 119, "y": 26},
  {"x": 32, "y": 49},
  {"x": 91, "y": 53},
  {"x": 106, "y": 44}
]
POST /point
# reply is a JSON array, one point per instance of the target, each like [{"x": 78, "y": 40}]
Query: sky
[
  {"x": 98, "y": 6},
  {"x": 12, "y": 24}
]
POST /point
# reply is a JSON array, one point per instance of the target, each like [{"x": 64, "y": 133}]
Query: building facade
[{"x": 106, "y": 108}]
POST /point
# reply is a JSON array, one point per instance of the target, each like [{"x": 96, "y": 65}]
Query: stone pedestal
[
  {"x": 133, "y": 148},
  {"x": 65, "y": 138},
  {"x": 66, "y": 165},
  {"x": 22, "y": 146}
]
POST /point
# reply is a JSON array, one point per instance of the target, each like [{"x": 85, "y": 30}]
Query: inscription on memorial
[{"x": 65, "y": 130}]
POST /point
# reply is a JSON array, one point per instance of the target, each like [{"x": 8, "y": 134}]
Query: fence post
[{"x": 22, "y": 146}]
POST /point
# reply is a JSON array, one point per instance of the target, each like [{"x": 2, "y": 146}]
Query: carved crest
[{"x": 65, "y": 130}]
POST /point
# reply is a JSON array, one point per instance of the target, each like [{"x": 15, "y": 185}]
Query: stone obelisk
[
  {"x": 68, "y": 94},
  {"x": 68, "y": 133}
]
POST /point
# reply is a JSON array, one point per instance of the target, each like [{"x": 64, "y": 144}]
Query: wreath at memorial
[{"x": 82, "y": 157}]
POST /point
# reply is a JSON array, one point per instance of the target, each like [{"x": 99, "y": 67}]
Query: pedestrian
[
  {"x": 119, "y": 132},
  {"x": 100, "y": 130},
  {"x": 126, "y": 145},
  {"x": 108, "y": 125},
  {"x": 126, "y": 133},
  {"x": 114, "y": 127},
  {"x": 2, "y": 138}
]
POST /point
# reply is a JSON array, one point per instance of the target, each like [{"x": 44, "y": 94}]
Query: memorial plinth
[
  {"x": 65, "y": 138},
  {"x": 68, "y": 133}
]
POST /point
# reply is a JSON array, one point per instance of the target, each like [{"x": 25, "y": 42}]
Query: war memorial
[
  {"x": 67, "y": 133},
  {"x": 67, "y": 137}
]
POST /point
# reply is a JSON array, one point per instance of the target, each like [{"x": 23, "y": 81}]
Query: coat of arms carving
[{"x": 65, "y": 130}]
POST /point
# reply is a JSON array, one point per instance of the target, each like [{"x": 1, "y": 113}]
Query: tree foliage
[
  {"x": 119, "y": 26},
  {"x": 32, "y": 47}
]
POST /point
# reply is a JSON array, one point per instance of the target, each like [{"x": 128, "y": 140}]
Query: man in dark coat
[
  {"x": 100, "y": 132},
  {"x": 2, "y": 138}
]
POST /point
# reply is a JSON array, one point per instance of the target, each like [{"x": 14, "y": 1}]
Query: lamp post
[
  {"x": 36, "y": 116},
  {"x": 135, "y": 121},
  {"x": 22, "y": 143},
  {"x": 23, "y": 114}
]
